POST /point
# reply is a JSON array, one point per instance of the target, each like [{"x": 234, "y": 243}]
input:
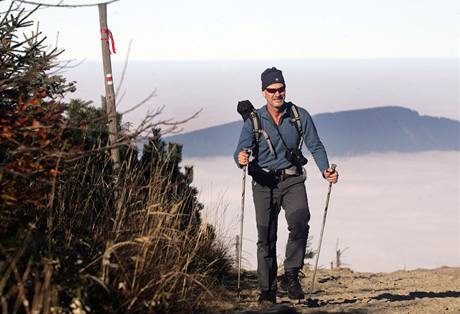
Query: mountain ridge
[{"x": 344, "y": 133}]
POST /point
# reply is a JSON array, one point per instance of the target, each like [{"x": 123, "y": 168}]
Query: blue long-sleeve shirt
[{"x": 290, "y": 135}]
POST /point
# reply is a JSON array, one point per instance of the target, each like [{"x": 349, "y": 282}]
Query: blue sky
[{"x": 258, "y": 30}]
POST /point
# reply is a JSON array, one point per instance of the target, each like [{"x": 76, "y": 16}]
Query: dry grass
[{"x": 130, "y": 243}]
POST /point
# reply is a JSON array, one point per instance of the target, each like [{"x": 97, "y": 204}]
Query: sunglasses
[{"x": 274, "y": 90}]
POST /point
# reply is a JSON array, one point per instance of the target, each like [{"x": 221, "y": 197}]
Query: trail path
[{"x": 344, "y": 291}]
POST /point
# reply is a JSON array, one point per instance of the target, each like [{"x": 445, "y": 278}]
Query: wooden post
[
  {"x": 109, "y": 90},
  {"x": 112, "y": 124}
]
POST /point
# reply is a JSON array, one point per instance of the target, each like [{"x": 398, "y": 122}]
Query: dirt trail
[{"x": 344, "y": 291}]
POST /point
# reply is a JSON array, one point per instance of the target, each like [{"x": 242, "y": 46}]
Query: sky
[
  {"x": 355, "y": 54},
  {"x": 255, "y": 30}
]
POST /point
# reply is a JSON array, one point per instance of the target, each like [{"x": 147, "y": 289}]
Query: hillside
[{"x": 353, "y": 132}]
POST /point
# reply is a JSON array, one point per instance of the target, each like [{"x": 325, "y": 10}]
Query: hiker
[{"x": 278, "y": 180}]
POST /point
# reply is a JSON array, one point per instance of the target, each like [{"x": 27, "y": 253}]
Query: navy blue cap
[{"x": 271, "y": 76}]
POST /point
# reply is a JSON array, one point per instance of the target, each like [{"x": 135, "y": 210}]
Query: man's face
[{"x": 275, "y": 94}]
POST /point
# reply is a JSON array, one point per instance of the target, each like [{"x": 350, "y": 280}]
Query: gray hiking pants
[{"x": 269, "y": 196}]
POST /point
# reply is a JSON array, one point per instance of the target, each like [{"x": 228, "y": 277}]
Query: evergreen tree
[
  {"x": 160, "y": 158},
  {"x": 31, "y": 120}
]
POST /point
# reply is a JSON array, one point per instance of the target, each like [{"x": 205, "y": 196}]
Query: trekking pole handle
[
  {"x": 333, "y": 166},
  {"x": 249, "y": 152}
]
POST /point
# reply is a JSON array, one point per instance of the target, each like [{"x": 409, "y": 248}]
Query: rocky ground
[{"x": 344, "y": 291}]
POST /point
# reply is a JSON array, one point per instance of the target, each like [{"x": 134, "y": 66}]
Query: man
[{"x": 278, "y": 181}]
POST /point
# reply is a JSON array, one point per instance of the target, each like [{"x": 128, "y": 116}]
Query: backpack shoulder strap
[
  {"x": 258, "y": 130},
  {"x": 295, "y": 119},
  {"x": 256, "y": 126}
]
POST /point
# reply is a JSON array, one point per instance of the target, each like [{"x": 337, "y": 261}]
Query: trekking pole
[
  {"x": 333, "y": 166},
  {"x": 240, "y": 245}
]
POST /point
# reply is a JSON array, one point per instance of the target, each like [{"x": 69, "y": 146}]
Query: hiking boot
[
  {"x": 292, "y": 285},
  {"x": 267, "y": 297},
  {"x": 283, "y": 283}
]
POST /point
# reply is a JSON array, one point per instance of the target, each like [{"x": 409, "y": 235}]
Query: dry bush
[{"x": 157, "y": 254}]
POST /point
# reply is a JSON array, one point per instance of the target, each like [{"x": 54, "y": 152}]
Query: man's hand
[
  {"x": 331, "y": 175},
  {"x": 243, "y": 157}
]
